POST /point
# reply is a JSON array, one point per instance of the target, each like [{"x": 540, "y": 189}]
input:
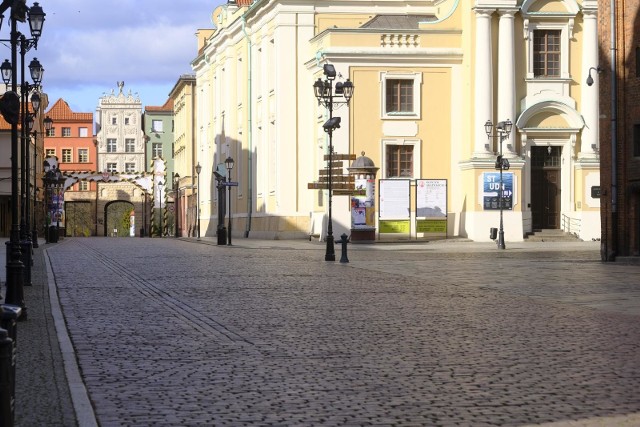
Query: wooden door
[{"x": 545, "y": 187}]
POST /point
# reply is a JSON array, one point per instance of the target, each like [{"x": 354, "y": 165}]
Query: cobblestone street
[{"x": 169, "y": 332}]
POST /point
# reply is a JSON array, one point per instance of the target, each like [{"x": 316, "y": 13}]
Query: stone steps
[{"x": 551, "y": 236}]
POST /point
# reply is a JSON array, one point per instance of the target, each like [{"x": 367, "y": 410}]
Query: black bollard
[
  {"x": 7, "y": 378},
  {"x": 344, "y": 241}
]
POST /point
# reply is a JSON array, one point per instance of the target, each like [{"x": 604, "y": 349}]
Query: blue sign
[
  {"x": 231, "y": 183},
  {"x": 491, "y": 190}
]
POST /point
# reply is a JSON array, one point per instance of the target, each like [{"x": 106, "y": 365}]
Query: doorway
[
  {"x": 545, "y": 187},
  {"x": 118, "y": 218}
]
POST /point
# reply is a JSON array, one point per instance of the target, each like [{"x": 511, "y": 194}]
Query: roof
[
  {"x": 61, "y": 112},
  {"x": 168, "y": 107},
  {"x": 398, "y": 22}
]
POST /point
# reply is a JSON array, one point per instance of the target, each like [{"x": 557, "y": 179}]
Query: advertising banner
[
  {"x": 491, "y": 190},
  {"x": 395, "y": 199},
  {"x": 363, "y": 204}
]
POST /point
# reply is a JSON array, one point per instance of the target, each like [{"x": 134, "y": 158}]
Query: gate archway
[
  {"x": 78, "y": 219},
  {"x": 117, "y": 216}
]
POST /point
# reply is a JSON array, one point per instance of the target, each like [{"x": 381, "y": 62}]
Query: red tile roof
[
  {"x": 61, "y": 112},
  {"x": 168, "y": 106}
]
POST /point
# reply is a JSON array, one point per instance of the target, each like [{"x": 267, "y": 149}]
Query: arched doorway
[
  {"x": 79, "y": 219},
  {"x": 117, "y": 216}
]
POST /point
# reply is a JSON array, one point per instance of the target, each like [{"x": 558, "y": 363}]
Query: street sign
[{"x": 231, "y": 184}]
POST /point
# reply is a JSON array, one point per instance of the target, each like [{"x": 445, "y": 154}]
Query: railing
[{"x": 571, "y": 225}]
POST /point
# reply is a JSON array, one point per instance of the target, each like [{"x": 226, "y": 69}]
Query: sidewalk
[{"x": 50, "y": 392}]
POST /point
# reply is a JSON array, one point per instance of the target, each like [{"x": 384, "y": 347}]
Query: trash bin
[
  {"x": 53, "y": 234},
  {"x": 222, "y": 235},
  {"x": 493, "y": 233}
]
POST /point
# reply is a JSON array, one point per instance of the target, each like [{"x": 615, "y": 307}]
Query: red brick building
[
  {"x": 71, "y": 141},
  {"x": 619, "y": 81}
]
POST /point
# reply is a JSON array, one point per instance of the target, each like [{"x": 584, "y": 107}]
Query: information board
[
  {"x": 491, "y": 190},
  {"x": 395, "y": 199},
  {"x": 431, "y": 198}
]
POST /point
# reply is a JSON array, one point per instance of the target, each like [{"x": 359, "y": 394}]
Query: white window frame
[
  {"x": 566, "y": 33},
  {"x": 67, "y": 155},
  {"x": 417, "y": 102},
  {"x": 157, "y": 126},
  {"x": 112, "y": 167},
  {"x": 130, "y": 143},
  {"x": 83, "y": 132},
  {"x": 82, "y": 151},
  {"x": 417, "y": 156},
  {"x": 50, "y": 152},
  {"x": 66, "y": 132},
  {"x": 115, "y": 145},
  {"x": 83, "y": 186},
  {"x": 129, "y": 167}
]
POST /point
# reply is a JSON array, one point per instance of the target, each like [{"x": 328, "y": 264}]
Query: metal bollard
[
  {"x": 7, "y": 378},
  {"x": 344, "y": 240}
]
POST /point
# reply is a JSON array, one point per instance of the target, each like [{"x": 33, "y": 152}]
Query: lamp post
[
  {"x": 15, "y": 266},
  {"x": 503, "y": 130},
  {"x": 176, "y": 201},
  {"x": 198, "y": 170},
  {"x": 229, "y": 164},
  {"x": 160, "y": 184},
  {"x": 48, "y": 123},
  {"x": 326, "y": 94}
]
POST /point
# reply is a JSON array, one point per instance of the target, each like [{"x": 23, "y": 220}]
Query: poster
[
  {"x": 395, "y": 199},
  {"x": 363, "y": 204},
  {"x": 431, "y": 198},
  {"x": 491, "y": 190}
]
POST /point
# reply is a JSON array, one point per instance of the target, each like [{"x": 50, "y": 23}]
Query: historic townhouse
[
  {"x": 184, "y": 100},
  {"x": 428, "y": 76},
  {"x": 71, "y": 141}
]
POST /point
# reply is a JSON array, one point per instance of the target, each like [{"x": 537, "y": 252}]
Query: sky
[{"x": 87, "y": 46}]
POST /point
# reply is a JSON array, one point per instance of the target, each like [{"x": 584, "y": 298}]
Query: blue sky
[{"x": 87, "y": 46}]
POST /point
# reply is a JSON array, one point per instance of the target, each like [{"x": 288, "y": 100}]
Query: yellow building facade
[{"x": 428, "y": 76}]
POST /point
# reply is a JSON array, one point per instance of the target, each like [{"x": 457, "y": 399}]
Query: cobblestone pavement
[{"x": 169, "y": 332}]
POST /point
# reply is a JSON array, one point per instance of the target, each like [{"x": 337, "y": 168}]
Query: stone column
[
  {"x": 483, "y": 83},
  {"x": 506, "y": 78},
  {"x": 589, "y": 102}
]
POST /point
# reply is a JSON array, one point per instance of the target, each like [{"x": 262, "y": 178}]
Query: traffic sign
[{"x": 231, "y": 184}]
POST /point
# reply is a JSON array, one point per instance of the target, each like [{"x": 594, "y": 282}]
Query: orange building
[{"x": 71, "y": 141}]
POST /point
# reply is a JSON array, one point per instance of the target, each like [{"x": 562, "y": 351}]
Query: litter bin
[
  {"x": 493, "y": 233},
  {"x": 53, "y": 234}
]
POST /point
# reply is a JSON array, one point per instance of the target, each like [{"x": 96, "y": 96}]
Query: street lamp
[
  {"x": 160, "y": 184},
  {"x": 176, "y": 201},
  {"x": 503, "y": 130},
  {"x": 48, "y": 123},
  {"x": 326, "y": 93},
  {"x": 229, "y": 164},
  {"x": 15, "y": 266},
  {"x": 198, "y": 170}
]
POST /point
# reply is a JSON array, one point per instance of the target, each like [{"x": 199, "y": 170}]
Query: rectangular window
[
  {"x": 66, "y": 155},
  {"x": 126, "y": 120},
  {"x": 114, "y": 120},
  {"x": 83, "y": 155},
  {"x": 156, "y": 149},
  {"x": 112, "y": 167},
  {"x": 129, "y": 145},
  {"x": 129, "y": 167},
  {"x": 399, "y": 96},
  {"x": 83, "y": 132},
  {"x": 636, "y": 140},
  {"x": 546, "y": 53},
  {"x": 83, "y": 186},
  {"x": 51, "y": 132},
  {"x": 66, "y": 132},
  {"x": 399, "y": 161},
  {"x": 111, "y": 145},
  {"x": 50, "y": 152},
  {"x": 156, "y": 125}
]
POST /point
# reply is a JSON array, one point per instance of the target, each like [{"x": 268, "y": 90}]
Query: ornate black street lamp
[
  {"x": 326, "y": 94},
  {"x": 229, "y": 164},
  {"x": 15, "y": 266},
  {"x": 503, "y": 130},
  {"x": 48, "y": 124},
  {"x": 198, "y": 170},
  {"x": 176, "y": 201}
]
